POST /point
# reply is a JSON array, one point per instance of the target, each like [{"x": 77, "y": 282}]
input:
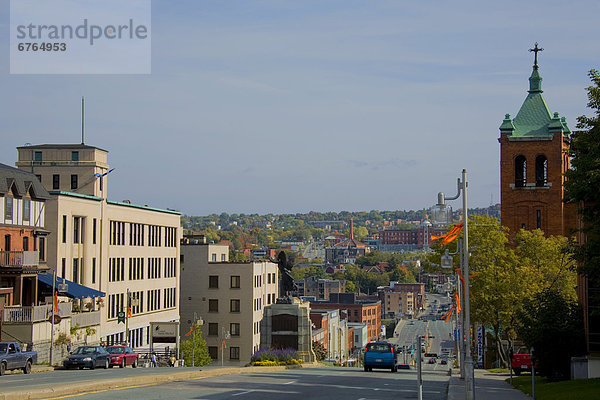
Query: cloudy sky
[{"x": 266, "y": 106}]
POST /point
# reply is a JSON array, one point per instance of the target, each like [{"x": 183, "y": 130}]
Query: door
[{"x": 7, "y": 249}]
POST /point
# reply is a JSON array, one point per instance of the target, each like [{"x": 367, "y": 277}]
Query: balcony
[
  {"x": 19, "y": 259},
  {"x": 86, "y": 319},
  {"x": 31, "y": 314}
]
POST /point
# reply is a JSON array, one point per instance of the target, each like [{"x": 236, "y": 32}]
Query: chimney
[{"x": 352, "y": 228}]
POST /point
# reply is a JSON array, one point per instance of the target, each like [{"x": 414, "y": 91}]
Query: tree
[
  {"x": 320, "y": 351},
  {"x": 553, "y": 326},
  {"x": 499, "y": 284},
  {"x": 360, "y": 233},
  {"x": 201, "y": 356},
  {"x": 549, "y": 260},
  {"x": 582, "y": 183},
  {"x": 350, "y": 287}
]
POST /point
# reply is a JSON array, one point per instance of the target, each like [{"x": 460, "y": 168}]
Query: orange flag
[
  {"x": 457, "y": 303},
  {"x": 129, "y": 312},
  {"x": 449, "y": 314},
  {"x": 190, "y": 332},
  {"x": 56, "y": 302},
  {"x": 224, "y": 345},
  {"x": 451, "y": 235}
]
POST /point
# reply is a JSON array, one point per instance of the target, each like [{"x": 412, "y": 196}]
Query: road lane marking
[
  {"x": 238, "y": 394},
  {"x": 101, "y": 391},
  {"x": 290, "y": 382}
]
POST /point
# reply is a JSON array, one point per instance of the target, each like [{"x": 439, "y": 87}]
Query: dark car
[
  {"x": 122, "y": 356},
  {"x": 87, "y": 357}
]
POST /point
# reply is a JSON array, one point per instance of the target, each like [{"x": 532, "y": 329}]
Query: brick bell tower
[{"x": 533, "y": 160}]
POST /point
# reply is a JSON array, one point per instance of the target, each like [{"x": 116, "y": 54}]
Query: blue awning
[{"x": 75, "y": 290}]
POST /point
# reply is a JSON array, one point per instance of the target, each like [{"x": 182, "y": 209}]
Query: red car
[{"x": 122, "y": 356}]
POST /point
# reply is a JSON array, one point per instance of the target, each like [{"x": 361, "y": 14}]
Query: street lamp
[
  {"x": 198, "y": 322},
  {"x": 442, "y": 217}
]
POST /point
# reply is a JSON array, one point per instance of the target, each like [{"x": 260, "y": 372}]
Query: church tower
[{"x": 533, "y": 160}]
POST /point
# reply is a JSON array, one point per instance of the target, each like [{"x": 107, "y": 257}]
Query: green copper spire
[
  {"x": 535, "y": 81},
  {"x": 534, "y": 120}
]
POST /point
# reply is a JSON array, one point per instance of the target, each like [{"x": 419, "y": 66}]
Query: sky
[{"x": 291, "y": 106}]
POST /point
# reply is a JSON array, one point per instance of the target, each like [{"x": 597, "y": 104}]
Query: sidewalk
[{"x": 488, "y": 386}]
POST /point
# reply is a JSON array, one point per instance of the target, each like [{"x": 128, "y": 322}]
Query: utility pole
[
  {"x": 127, "y": 318},
  {"x": 52, "y": 322},
  {"x": 419, "y": 373},
  {"x": 469, "y": 377}
]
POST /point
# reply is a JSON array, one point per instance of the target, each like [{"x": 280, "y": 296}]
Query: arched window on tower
[
  {"x": 520, "y": 171},
  {"x": 541, "y": 170}
]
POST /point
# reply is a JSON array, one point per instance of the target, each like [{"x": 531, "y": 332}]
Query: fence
[{"x": 30, "y": 314}]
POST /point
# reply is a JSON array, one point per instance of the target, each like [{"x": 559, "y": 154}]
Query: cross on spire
[{"x": 535, "y": 50}]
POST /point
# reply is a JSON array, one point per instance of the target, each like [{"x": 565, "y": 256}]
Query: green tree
[
  {"x": 237, "y": 256},
  {"x": 360, "y": 233},
  {"x": 201, "y": 356},
  {"x": 549, "y": 262},
  {"x": 553, "y": 326},
  {"x": 581, "y": 188},
  {"x": 350, "y": 287}
]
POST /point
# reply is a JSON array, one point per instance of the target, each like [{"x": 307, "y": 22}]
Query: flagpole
[{"x": 127, "y": 318}]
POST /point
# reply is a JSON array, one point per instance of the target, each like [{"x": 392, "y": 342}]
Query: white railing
[
  {"x": 85, "y": 319},
  {"x": 30, "y": 314}
]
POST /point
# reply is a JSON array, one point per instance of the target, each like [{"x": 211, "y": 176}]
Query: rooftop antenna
[{"x": 82, "y": 120}]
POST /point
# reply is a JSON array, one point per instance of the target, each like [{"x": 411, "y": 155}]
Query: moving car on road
[
  {"x": 87, "y": 357},
  {"x": 122, "y": 356},
  {"x": 380, "y": 355}
]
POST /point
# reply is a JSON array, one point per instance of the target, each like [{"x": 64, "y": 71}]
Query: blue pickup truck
[
  {"x": 379, "y": 355},
  {"x": 11, "y": 357}
]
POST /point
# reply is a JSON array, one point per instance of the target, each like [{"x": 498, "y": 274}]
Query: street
[
  {"x": 435, "y": 330},
  {"x": 301, "y": 384}
]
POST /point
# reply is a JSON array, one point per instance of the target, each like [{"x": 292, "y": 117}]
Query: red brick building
[
  {"x": 533, "y": 160},
  {"x": 368, "y": 311}
]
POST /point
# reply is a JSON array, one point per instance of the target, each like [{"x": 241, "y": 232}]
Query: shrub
[{"x": 278, "y": 356}]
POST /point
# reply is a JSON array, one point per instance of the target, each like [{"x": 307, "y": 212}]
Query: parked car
[
  {"x": 11, "y": 357},
  {"x": 87, "y": 357},
  {"x": 379, "y": 355},
  {"x": 521, "y": 361},
  {"x": 122, "y": 356}
]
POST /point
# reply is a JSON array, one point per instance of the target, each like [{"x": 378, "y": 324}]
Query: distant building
[
  {"x": 408, "y": 239},
  {"x": 346, "y": 252},
  {"x": 358, "y": 311},
  {"x": 319, "y": 288}
]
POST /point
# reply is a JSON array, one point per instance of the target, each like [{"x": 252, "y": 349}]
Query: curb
[{"x": 107, "y": 384}]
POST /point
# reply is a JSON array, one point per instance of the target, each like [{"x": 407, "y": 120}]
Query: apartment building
[
  {"x": 229, "y": 297},
  {"x": 319, "y": 288},
  {"x": 396, "y": 304},
  {"x": 129, "y": 252}
]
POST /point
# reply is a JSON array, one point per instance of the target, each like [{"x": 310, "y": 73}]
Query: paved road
[
  {"x": 20, "y": 381},
  {"x": 301, "y": 384},
  {"x": 436, "y": 329}
]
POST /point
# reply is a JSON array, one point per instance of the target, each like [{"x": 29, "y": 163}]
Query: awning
[{"x": 74, "y": 290}]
